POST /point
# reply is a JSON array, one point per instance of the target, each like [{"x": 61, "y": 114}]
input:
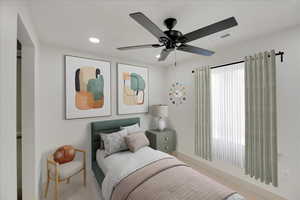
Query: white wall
[
  {"x": 288, "y": 94},
  {"x": 54, "y": 129},
  {"x": 29, "y": 145},
  {"x": 9, "y": 28},
  {"x": 8, "y": 185}
]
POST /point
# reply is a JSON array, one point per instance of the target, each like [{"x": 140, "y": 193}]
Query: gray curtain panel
[
  {"x": 202, "y": 118},
  {"x": 261, "y": 118}
]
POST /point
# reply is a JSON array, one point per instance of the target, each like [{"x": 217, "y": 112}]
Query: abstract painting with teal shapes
[
  {"x": 89, "y": 85},
  {"x": 134, "y": 87}
]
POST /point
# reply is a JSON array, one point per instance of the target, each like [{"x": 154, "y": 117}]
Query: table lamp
[{"x": 160, "y": 111}]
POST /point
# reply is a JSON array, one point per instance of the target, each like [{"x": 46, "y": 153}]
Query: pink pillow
[{"x": 135, "y": 141}]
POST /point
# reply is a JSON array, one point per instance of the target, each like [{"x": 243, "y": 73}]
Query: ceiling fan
[{"x": 174, "y": 39}]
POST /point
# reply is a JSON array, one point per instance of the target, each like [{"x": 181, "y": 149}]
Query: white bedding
[
  {"x": 119, "y": 165},
  {"x": 100, "y": 157},
  {"x": 120, "y": 158}
]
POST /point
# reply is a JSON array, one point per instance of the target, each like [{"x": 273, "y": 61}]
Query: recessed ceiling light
[
  {"x": 157, "y": 56},
  {"x": 94, "y": 40}
]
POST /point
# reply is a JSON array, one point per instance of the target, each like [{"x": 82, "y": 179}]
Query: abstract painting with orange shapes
[
  {"x": 87, "y": 87},
  {"x": 132, "y": 89},
  {"x": 89, "y": 84}
]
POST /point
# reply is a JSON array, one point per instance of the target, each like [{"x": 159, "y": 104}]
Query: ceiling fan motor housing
[{"x": 173, "y": 35}]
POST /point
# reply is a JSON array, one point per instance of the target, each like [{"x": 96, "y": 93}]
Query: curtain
[
  {"x": 228, "y": 114},
  {"x": 261, "y": 126},
  {"x": 202, "y": 116}
]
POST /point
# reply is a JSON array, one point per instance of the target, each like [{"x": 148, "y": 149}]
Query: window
[{"x": 228, "y": 114}]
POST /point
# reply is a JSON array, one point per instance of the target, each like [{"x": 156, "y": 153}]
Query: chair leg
[
  {"x": 56, "y": 189},
  {"x": 47, "y": 185},
  {"x": 84, "y": 177}
]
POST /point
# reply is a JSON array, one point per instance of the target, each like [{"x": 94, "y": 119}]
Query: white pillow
[
  {"x": 132, "y": 129},
  {"x": 114, "y": 142}
]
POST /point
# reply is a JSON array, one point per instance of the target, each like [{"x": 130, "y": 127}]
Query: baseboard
[{"x": 247, "y": 187}]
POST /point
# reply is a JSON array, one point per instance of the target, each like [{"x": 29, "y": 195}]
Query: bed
[{"x": 148, "y": 174}]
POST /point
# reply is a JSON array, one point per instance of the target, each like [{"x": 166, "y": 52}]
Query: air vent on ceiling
[{"x": 225, "y": 35}]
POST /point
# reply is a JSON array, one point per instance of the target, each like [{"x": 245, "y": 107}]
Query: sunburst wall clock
[{"x": 177, "y": 94}]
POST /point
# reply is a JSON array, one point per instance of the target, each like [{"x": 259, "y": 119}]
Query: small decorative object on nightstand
[{"x": 164, "y": 141}]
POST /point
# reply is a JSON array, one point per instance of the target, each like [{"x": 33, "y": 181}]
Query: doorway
[
  {"x": 15, "y": 25},
  {"x": 27, "y": 173},
  {"x": 19, "y": 120}
]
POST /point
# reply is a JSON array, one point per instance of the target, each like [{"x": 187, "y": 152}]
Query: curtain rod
[{"x": 280, "y": 53}]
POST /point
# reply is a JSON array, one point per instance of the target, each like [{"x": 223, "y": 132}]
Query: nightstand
[{"x": 164, "y": 141}]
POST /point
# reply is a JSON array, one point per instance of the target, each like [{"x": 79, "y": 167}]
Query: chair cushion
[{"x": 68, "y": 169}]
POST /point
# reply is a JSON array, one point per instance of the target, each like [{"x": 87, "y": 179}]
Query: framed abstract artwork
[
  {"x": 132, "y": 89},
  {"x": 88, "y": 89}
]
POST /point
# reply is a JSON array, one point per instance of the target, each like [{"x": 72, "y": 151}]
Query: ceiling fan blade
[
  {"x": 210, "y": 29},
  {"x": 148, "y": 24},
  {"x": 164, "y": 54},
  {"x": 139, "y": 47},
  {"x": 195, "y": 50}
]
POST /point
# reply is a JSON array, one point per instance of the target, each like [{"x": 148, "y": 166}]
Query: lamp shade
[{"x": 160, "y": 110}]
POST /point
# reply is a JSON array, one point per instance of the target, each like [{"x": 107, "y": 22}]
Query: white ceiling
[{"x": 69, "y": 23}]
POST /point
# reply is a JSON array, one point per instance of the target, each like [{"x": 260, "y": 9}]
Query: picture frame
[
  {"x": 87, "y": 87},
  {"x": 133, "y": 89}
]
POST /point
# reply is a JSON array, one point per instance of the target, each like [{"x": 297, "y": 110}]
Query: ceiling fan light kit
[{"x": 173, "y": 39}]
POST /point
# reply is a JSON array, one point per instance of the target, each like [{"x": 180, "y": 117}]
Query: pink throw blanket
[{"x": 169, "y": 179}]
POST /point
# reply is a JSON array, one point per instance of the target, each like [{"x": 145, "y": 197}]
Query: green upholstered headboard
[{"x": 105, "y": 127}]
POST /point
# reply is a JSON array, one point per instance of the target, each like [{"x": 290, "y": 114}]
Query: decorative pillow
[
  {"x": 132, "y": 129},
  {"x": 106, "y": 132},
  {"x": 64, "y": 154},
  {"x": 136, "y": 141},
  {"x": 114, "y": 142}
]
